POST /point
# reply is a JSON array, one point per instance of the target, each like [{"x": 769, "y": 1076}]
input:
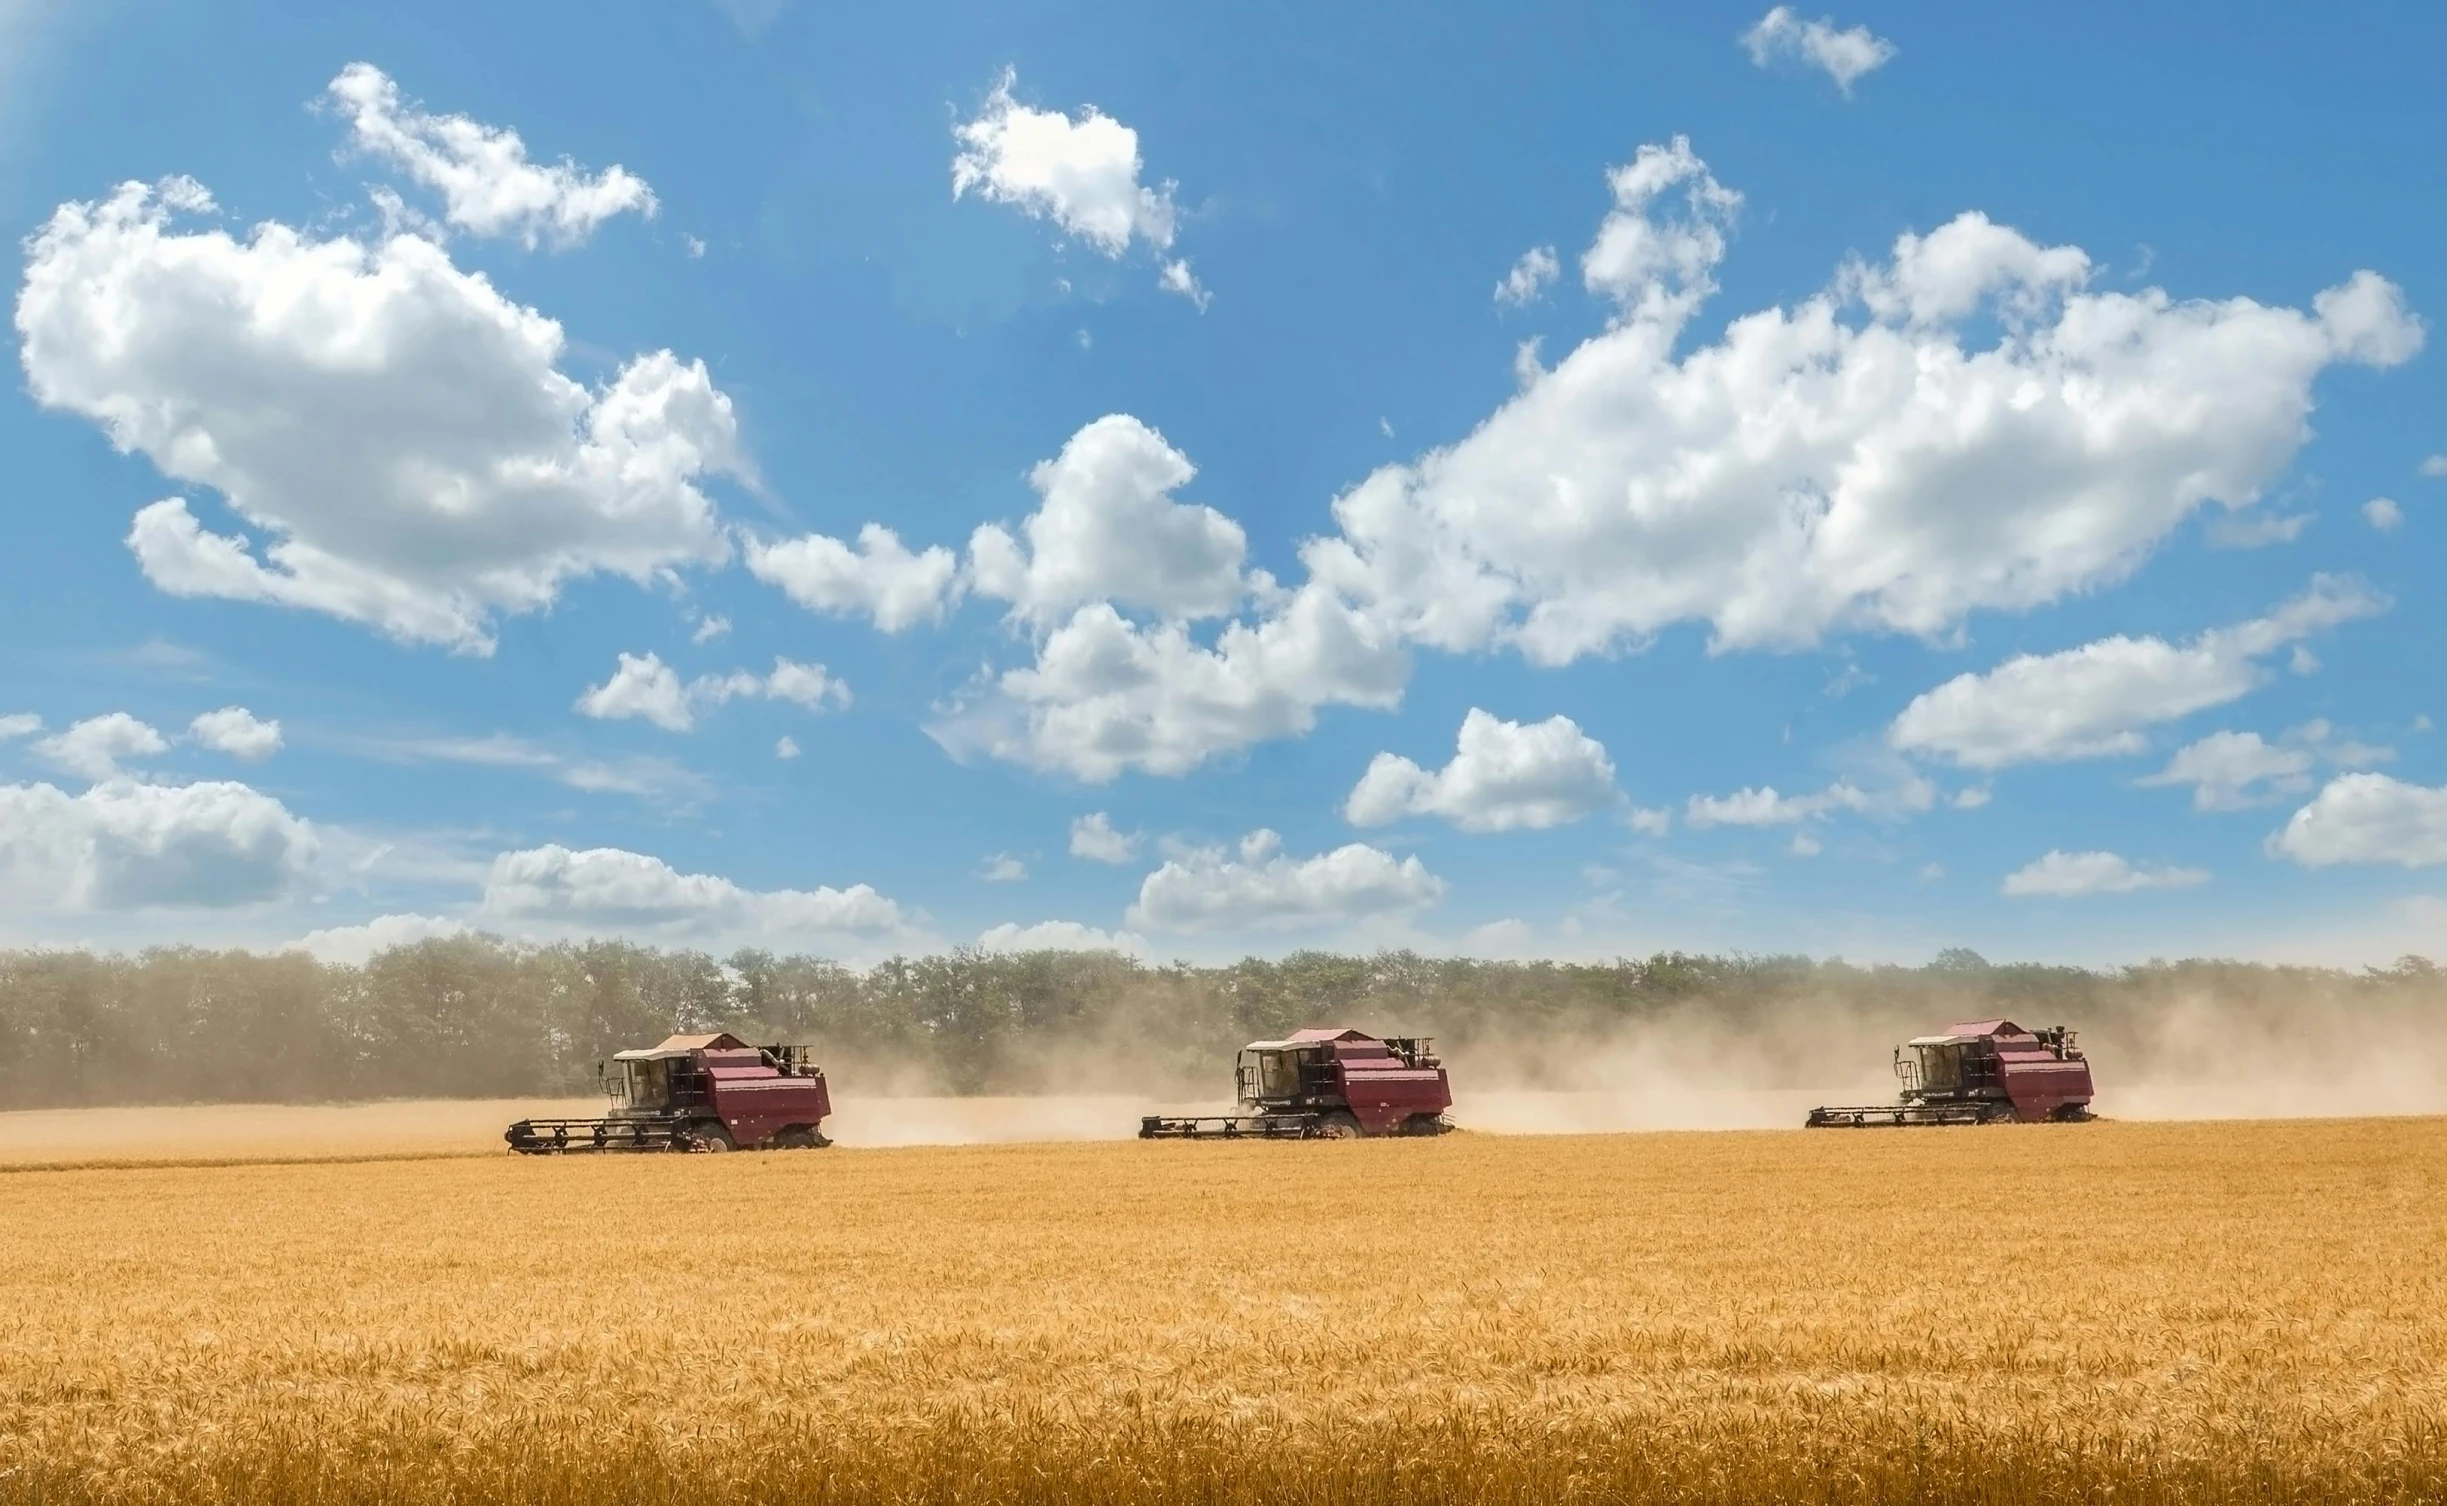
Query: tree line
[{"x": 477, "y": 1016}]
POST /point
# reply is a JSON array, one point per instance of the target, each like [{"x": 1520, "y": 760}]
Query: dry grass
[{"x": 2114, "y": 1312}]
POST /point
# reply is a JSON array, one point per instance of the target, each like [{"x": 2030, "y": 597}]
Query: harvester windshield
[
  {"x": 639, "y": 1084},
  {"x": 1941, "y": 1066},
  {"x": 1271, "y": 1073}
]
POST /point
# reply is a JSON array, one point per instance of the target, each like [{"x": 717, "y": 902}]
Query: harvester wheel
[
  {"x": 1339, "y": 1127},
  {"x": 797, "y": 1137},
  {"x": 711, "y": 1136},
  {"x": 1997, "y": 1113}
]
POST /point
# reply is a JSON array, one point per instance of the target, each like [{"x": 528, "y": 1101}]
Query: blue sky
[{"x": 1566, "y": 481}]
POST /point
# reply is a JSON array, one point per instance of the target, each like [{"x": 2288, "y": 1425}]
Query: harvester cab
[
  {"x": 1325, "y": 1083},
  {"x": 695, "y": 1092},
  {"x": 1979, "y": 1072},
  {"x": 1282, "y": 1074}
]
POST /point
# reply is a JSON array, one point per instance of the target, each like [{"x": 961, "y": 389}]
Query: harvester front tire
[
  {"x": 712, "y": 1137},
  {"x": 1340, "y": 1127},
  {"x": 799, "y": 1137}
]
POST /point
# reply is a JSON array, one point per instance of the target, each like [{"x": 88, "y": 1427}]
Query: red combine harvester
[
  {"x": 1980, "y": 1072},
  {"x": 695, "y": 1092},
  {"x": 1326, "y": 1085}
]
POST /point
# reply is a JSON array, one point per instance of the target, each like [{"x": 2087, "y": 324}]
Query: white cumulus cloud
[
  {"x": 95, "y": 746},
  {"x": 2383, "y": 514},
  {"x": 2368, "y": 818},
  {"x": 354, "y": 946},
  {"x": 1262, "y": 888},
  {"x": 1084, "y": 174},
  {"x": 2093, "y": 701},
  {"x": 129, "y": 845},
  {"x": 2253, "y": 528},
  {"x": 1108, "y": 530},
  {"x": 238, "y": 732},
  {"x": 1503, "y": 776},
  {"x": 1002, "y": 868},
  {"x": 399, "y": 434},
  {"x": 1179, "y": 280},
  {"x": 808, "y": 685},
  {"x": 2069, "y": 875},
  {"x": 606, "y": 889},
  {"x": 881, "y": 579},
  {"x": 1967, "y": 425},
  {"x": 643, "y": 686},
  {"x": 1107, "y": 695},
  {"x": 1093, "y": 838},
  {"x": 1761, "y": 805},
  {"x": 1843, "y": 55},
  {"x": 1060, "y": 936},
  {"x": 488, "y": 186},
  {"x": 1530, "y": 277},
  {"x": 19, "y": 724},
  {"x": 2233, "y": 770}
]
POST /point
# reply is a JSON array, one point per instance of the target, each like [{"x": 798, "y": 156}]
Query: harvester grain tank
[
  {"x": 1325, "y": 1084},
  {"x": 1979, "y": 1072},
  {"x": 695, "y": 1092}
]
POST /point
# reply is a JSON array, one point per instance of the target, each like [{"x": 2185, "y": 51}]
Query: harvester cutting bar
[
  {"x": 1905, "y": 1115},
  {"x": 544, "y": 1137},
  {"x": 1234, "y": 1127}
]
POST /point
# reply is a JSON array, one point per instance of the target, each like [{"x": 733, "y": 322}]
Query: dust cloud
[
  {"x": 2201, "y": 1058},
  {"x": 2317, "y": 1050}
]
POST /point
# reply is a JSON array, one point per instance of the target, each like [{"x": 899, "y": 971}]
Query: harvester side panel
[
  {"x": 754, "y": 1104},
  {"x": 2042, "y": 1086},
  {"x": 1385, "y": 1101}
]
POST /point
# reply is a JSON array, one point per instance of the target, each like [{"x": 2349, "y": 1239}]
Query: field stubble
[{"x": 2114, "y": 1312}]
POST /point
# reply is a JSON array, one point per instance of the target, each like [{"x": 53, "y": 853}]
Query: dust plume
[{"x": 2194, "y": 1041}]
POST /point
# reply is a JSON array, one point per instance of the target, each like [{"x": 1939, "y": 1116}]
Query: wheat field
[{"x": 2112, "y": 1313}]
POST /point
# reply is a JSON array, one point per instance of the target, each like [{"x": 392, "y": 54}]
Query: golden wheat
[{"x": 2229, "y": 1313}]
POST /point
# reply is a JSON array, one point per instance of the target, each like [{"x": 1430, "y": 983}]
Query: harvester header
[
  {"x": 1325, "y": 1083},
  {"x": 1979, "y": 1072}
]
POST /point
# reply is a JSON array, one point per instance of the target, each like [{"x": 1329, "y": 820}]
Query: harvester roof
[
  {"x": 1967, "y": 1031},
  {"x": 1314, "y": 1035},
  {"x": 683, "y": 1045},
  {"x": 1986, "y": 1027}
]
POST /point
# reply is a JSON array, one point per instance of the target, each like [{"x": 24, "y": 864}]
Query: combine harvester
[
  {"x": 695, "y": 1092},
  {"x": 1980, "y": 1072},
  {"x": 1326, "y": 1085}
]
